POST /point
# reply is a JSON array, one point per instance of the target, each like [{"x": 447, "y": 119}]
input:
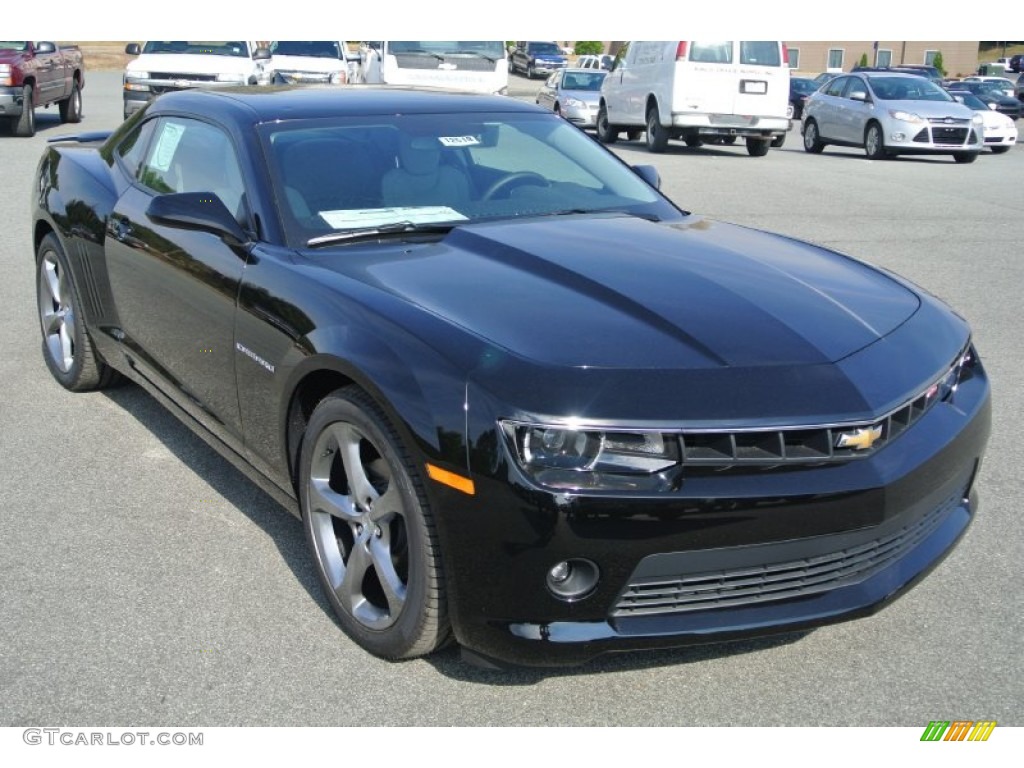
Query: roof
[{"x": 263, "y": 104}]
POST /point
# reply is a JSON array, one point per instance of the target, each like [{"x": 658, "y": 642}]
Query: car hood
[
  {"x": 308, "y": 64},
  {"x": 613, "y": 291},
  {"x": 930, "y": 109},
  {"x": 184, "y": 63}
]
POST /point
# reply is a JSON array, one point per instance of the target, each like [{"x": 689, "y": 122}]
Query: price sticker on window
[{"x": 459, "y": 141}]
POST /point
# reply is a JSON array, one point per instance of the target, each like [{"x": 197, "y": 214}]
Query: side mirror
[
  {"x": 46, "y": 47},
  {"x": 859, "y": 96},
  {"x": 133, "y": 49},
  {"x": 197, "y": 210},
  {"x": 261, "y": 54},
  {"x": 649, "y": 174}
]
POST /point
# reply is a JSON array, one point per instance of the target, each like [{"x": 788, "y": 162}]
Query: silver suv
[{"x": 890, "y": 114}]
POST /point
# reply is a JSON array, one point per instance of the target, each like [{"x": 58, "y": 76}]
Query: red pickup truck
[{"x": 38, "y": 75}]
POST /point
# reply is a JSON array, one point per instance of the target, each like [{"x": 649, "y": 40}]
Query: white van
[
  {"x": 460, "y": 65},
  {"x": 699, "y": 92}
]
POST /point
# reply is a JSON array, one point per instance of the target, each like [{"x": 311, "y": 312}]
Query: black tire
[
  {"x": 778, "y": 141},
  {"x": 728, "y": 139},
  {"x": 999, "y": 150},
  {"x": 633, "y": 135},
  {"x": 874, "y": 142},
  {"x": 606, "y": 132},
  {"x": 965, "y": 157},
  {"x": 25, "y": 124},
  {"x": 758, "y": 147},
  {"x": 67, "y": 348},
  {"x": 812, "y": 139},
  {"x": 375, "y": 547},
  {"x": 71, "y": 107},
  {"x": 657, "y": 134},
  {"x": 694, "y": 142},
  {"x": 529, "y": 71}
]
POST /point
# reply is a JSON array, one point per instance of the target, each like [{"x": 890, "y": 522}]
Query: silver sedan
[
  {"x": 573, "y": 94},
  {"x": 891, "y": 114}
]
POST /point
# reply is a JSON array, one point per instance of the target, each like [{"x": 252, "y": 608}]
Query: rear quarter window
[{"x": 764, "y": 53}]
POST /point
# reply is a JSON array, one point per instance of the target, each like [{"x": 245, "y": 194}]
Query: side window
[
  {"x": 836, "y": 86},
  {"x": 192, "y": 156},
  {"x": 131, "y": 149},
  {"x": 717, "y": 52},
  {"x": 854, "y": 84},
  {"x": 764, "y": 53}
]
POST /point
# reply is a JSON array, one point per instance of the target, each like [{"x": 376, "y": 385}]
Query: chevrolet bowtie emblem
[{"x": 860, "y": 439}]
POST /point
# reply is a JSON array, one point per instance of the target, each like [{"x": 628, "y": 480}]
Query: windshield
[
  {"x": 970, "y": 100},
  {"x": 318, "y": 50},
  {"x": 216, "y": 48},
  {"x": 583, "y": 81},
  {"x": 14, "y": 45},
  {"x": 544, "y": 49},
  {"x": 803, "y": 85},
  {"x": 907, "y": 88},
  {"x": 488, "y": 49},
  {"x": 354, "y": 173}
]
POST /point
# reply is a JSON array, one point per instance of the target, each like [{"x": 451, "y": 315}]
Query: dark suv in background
[
  {"x": 537, "y": 58},
  {"x": 923, "y": 70}
]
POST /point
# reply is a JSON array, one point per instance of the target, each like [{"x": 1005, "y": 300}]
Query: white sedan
[{"x": 1000, "y": 131}]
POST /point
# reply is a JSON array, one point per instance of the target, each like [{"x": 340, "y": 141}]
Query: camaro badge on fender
[
  {"x": 252, "y": 355},
  {"x": 860, "y": 439}
]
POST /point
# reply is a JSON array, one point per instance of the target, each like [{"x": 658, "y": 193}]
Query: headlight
[
  {"x": 131, "y": 84},
  {"x": 229, "y": 77},
  {"x": 977, "y": 119},
  {"x": 338, "y": 78},
  {"x": 5, "y": 75},
  {"x": 564, "y": 457},
  {"x": 570, "y": 102},
  {"x": 907, "y": 117}
]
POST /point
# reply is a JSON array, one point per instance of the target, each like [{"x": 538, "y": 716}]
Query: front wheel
[
  {"x": 758, "y": 147},
  {"x": 606, "y": 132},
  {"x": 633, "y": 135},
  {"x": 874, "y": 144},
  {"x": 657, "y": 134},
  {"x": 25, "y": 124},
  {"x": 999, "y": 150},
  {"x": 694, "y": 142},
  {"x": 370, "y": 529},
  {"x": 71, "y": 107},
  {"x": 778, "y": 141}
]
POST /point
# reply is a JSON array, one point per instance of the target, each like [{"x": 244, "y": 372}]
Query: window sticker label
[
  {"x": 375, "y": 217},
  {"x": 459, "y": 141},
  {"x": 170, "y": 135}
]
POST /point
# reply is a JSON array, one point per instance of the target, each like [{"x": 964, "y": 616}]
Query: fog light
[
  {"x": 899, "y": 137},
  {"x": 572, "y": 579}
]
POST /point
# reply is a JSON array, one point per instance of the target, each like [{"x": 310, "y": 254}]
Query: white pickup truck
[
  {"x": 299, "y": 61},
  {"x": 172, "y": 66}
]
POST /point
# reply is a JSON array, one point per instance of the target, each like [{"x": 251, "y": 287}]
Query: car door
[
  {"x": 827, "y": 111},
  {"x": 548, "y": 92},
  {"x": 49, "y": 75},
  {"x": 175, "y": 289},
  {"x": 852, "y": 114}
]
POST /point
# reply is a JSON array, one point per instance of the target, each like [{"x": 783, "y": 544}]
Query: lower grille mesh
[{"x": 777, "y": 581}]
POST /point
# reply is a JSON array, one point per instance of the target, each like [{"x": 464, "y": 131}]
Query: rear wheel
[
  {"x": 633, "y": 135},
  {"x": 657, "y": 134},
  {"x": 758, "y": 147},
  {"x": 370, "y": 529},
  {"x": 778, "y": 141},
  {"x": 71, "y": 107},
  {"x": 606, "y": 132},
  {"x": 25, "y": 124},
  {"x": 694, "y": 141},
  {"x": 728, "y": 139},
  {"x": 966, "y": 157},
  {"x": 874, "y": 144},
  {"x": 812, "y": 141},
  {"x": 67, "y": 348}
]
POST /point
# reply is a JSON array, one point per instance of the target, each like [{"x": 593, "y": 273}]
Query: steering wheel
[{"x": 519, "y": 177}]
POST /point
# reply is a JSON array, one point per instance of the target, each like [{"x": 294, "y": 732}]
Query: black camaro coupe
[{"x": 519, "y": 399}]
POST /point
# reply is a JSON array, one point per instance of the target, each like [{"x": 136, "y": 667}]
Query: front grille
[
  {"x": 191, "y": 76},
  {"x": 740, "y": 587},
  {"x": 720, "y": 450},
  {"x": 949, "y": 135},
  {"x": 464, "y": 63}
]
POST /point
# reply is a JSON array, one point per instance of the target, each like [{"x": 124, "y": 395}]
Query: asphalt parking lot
[{"x": 145, "y": 581}]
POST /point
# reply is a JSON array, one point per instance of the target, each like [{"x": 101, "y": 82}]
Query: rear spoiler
[{"x": 86, "y": 137}]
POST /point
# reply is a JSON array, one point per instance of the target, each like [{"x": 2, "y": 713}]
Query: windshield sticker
[
  {"x": 375, "y": 217},
  {"x": 170, "y": 135},
  {"x": 459, "y": 141}
]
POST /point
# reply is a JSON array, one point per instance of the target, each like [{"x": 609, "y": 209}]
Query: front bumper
[
  {"x": 10, "y": 101},
  {"x": 728, "y": 555},
  {"x": 583, "y": 117},
  {"x": 909, "y": 138}
]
